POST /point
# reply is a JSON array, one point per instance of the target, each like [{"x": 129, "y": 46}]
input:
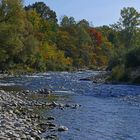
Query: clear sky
[{"x": 99, "y": 12}]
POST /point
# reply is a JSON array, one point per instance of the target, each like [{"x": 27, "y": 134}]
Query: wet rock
[
  {"x": 52, "y": 137},
  {"x": 2, "y": 122},
  {"x": 85, "y": 79},
  {"x": 44, "y": 91},
  {"x": 18, "y": 120},
  {"x": 27, "y": 91},
  {"x": 67, "y": 105},
  {"x": 35, "y": 135},
  {"x": 17, "y": 124},
  {"x": 54, "y": 104},
  {"x": 75, "y": 106},
  {"x": 43, "y": 126},
  {"x": 50, "y": 118},
  {"x": 16, "y": 111},
  {"x": 61, "y": 105},
  {"x": 52, "y": 125},
  {"x": 30, "y": 138},
  {"x": 62, "y": 128},
  {"x": 11, "y": 111},
  {"x": 12, "y": 134},
  {"x": 23, "y": 136}
]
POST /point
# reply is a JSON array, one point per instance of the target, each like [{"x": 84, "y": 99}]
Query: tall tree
[
  {"x": 43, "y": 10},
  {"x": 11, "y": 29},
  {"x": 127, "y": 25}
]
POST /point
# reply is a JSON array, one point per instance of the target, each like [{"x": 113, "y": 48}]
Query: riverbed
[{"x": 107, "y": 111}]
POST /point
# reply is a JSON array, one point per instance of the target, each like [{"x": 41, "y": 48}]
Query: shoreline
[
  {"x": 103, "y": 77},
  {"x": 17, "y": 118},
  {"x": 19, "y": 121}
]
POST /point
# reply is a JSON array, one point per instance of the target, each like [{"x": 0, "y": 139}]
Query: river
[{"x": 107, "y": 112}]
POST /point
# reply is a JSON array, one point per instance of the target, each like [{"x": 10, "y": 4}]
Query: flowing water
[{"x": 107, "y": 112}]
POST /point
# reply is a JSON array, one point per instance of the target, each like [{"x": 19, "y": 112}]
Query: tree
[
  {"x": 83, "y": 23},
  {"x": 43, "y": 10},
  {"x": 67, "y": 21},
  {"x": 11, "y": 29},
  {"x": 96, "y": 36},
  {"x": 127, "y": 25},
  {"x": 130, "y": 18}
]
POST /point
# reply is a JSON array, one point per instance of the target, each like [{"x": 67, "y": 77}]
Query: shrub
[
  {"x": 119, "y": 73},
  {"x": 132, "y": 59},
  {"x": 117, "y": 58}
]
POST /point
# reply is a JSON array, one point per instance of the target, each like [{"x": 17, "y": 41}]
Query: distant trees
[
  {"x": 84, "y": 44},
  {"x": 45, "y": 29},
  {"x": 128, "y": 26},
  {"x": 67, "y": 22},
  {"x": 126, "y": 55},
  {"x": 11, "y": 31},
  {"x": 31, "y": 39},
  {"x": 23, "y": 35},
  {"x": 43, "y": 10}
]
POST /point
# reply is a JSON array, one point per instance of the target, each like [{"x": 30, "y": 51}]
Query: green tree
[
  {"x": 11, "y": 30},
  {"x": 83, "y": 23},
  {"x": 64, "y": 21},
  {"x": 43, "y": 10},
  {"x": 128, "y": 25}
]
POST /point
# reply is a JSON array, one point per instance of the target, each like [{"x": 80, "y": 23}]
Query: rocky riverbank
[
  {"x": 105, "y": 77},
  {"x": 101, "y": 77},
  {"x": 19, "y": 121}
]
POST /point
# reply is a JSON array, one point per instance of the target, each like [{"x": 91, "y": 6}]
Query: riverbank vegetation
[
  {"x": 31, "y": 39},
  {"x": 125, "y": 59}
]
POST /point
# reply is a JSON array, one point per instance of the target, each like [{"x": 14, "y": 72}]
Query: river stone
[
  {"x": 67, "y": 105},
  {"x": 27, "y": 91},
  {"x": 11, "y": 111},
  {"x": 62, "y": 128},
  {"x": 52, "y": 125},
  {"x": 54, "y": 104},
  {"x": 17, "y": 124},
  {"x": 18, "y": 138},
  {"x": 50, "y": 118},
  {"x": 52, "y": 137},
  {"x": 85, "y": 79},
  {"x": 3, "y": 122},
  {"x": 75, "y": 106},
  {"x": 3, "y": 138},
  {"x": 35, "y": 135},
  {"x": 30, "y": 138}
]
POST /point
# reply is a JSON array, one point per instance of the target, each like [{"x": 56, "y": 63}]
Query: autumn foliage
[
  {"x": 96, "y": 36},
  {"x": 32, "y": 39}
]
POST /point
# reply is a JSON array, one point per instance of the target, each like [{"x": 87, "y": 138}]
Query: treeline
[
  {"x": 32, "y": 40},
  {"x": 125, "y": 59}
]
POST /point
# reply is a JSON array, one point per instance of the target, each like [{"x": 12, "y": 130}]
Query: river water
[{"x": 107, "y": 112}]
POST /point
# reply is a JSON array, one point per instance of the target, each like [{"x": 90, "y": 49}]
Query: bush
[
  {"x": 119, "y": 73},
  {"x": 117, "y": 58},
  {"x": 133, "y": 58}
]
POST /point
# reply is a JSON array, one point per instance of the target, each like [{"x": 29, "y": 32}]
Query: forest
[{"x": 32, "y": 40}]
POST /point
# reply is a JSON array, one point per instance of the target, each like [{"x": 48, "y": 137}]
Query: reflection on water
[{"x": 108, "y": 112}]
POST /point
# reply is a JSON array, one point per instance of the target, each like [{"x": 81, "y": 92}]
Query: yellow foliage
[
  {"x": 50, "y": 52},
  {"x": 34, "y": 18}
]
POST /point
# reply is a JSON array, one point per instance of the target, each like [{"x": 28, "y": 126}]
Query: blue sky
[{"x": 99, "y": 12}]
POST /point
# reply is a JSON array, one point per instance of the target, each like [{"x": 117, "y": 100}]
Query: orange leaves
[{"x": 96, "y": 36}]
